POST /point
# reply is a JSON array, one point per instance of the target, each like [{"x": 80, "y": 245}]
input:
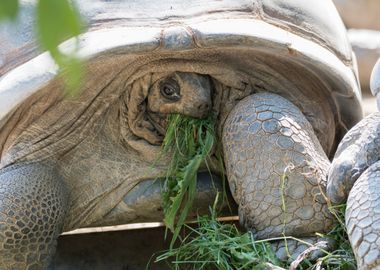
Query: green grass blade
[{"x": 189, "y": 141}]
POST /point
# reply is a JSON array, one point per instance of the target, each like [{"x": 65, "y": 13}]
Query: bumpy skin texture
[
  {"x": 33, "y": 202},
  {"x": 359, "y": 149},
  {"x": 363, "y": 218},
  {"x": 355, "y": 172},
  {"x": 266, "y": 138}
]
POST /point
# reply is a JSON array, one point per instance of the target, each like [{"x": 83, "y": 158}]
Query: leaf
[
  {"x": 215, "y": 245},
  {"x": 189, "y": 141},
  {"x": 72, "y": 69},
  {"x": 189, "y": 189},
  {"x": 8, "y": 9},
  {"x": 58, "y": 20}
]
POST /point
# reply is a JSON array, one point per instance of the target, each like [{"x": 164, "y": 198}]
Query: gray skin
[
  {"x": 355, "y": 176},
  {"x": 266, "y": 131}
]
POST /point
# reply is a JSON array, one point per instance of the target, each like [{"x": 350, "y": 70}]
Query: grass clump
[
  {"x": 219, "y": 246},
  {"x": 212, "y": 244},
  {"x": 190, "y": 142}
]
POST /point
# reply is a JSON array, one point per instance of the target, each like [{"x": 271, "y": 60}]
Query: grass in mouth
[{"x": 190, "y": 142}]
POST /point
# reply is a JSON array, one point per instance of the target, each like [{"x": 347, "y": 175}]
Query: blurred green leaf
[
  {"x": 73, "y": 73},
  {"x": 8, "y": 9},
  {"x": 58, "y": 20}
]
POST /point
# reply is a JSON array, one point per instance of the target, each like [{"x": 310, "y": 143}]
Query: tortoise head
[{"x": 183, "y": 93}]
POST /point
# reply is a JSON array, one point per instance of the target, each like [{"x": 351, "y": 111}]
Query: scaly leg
[
  {"x": 33, "y": 202},
  {"x": 276, "y": 168},
  {"x": 363, "y": 218}
]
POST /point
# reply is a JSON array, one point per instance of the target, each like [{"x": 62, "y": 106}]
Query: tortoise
[{"x": 279, "y": 75}]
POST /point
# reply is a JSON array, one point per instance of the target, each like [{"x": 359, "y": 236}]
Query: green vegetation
[
  {"x": 190, "y": 142},
  {"x": 216, "y": 245},
  {"x": 9, "y": 9},
  {"x": 56, "y": 21}
]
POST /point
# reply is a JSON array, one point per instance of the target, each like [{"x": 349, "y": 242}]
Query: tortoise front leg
[
  {"x": 33, "y": 202},
  {"x": 276, "y": 168}
]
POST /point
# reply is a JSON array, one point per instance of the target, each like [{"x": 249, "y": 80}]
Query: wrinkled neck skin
[{"x": 101, "y": 171}]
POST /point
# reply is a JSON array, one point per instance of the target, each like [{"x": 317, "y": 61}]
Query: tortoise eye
[{"x": 171, "y": 90}]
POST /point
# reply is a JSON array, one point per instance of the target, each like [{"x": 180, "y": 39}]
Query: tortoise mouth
[
  {"x": 156, "y": 126},
  {"x": 159, "y": 124}
]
